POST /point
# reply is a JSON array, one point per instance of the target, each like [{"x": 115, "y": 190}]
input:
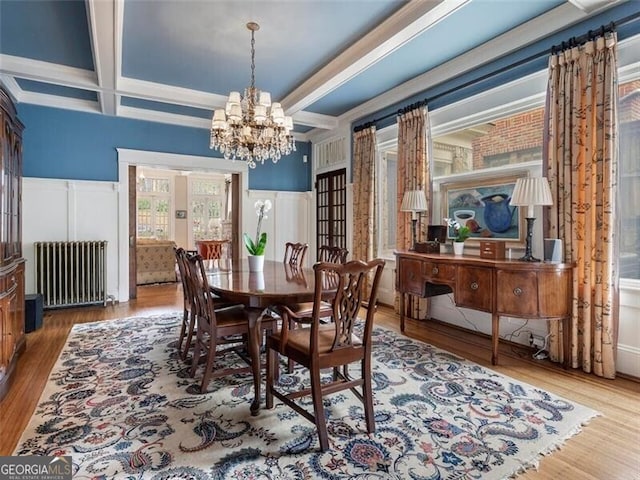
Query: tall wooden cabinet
[{"x": 12, "y": 338}]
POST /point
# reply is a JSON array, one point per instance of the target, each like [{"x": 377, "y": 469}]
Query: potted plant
[
  {"x": 256, "y": 247},
  {"x": 461, "y": 233}
]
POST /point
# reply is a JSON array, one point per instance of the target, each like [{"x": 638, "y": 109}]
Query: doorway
[{"x": 128, "y": 160}]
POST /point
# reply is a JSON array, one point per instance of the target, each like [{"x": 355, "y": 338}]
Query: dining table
[{"x": 277, "y": 284}]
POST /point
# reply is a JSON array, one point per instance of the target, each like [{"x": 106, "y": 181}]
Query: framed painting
[{"x": 485, "y": 207}]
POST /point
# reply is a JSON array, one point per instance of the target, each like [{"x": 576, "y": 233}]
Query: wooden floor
[{"x": 608, "y": 448}]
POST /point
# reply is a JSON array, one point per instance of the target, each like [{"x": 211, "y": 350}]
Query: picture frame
[
  {"x": 181, "y": 214},
  {"x": 484, "y": 206}
]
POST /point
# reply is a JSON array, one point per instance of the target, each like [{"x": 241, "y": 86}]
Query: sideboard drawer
[
  {"x": 439, "y": 272},
  {"x": 410, "y": 278},
  {"x": 517, "y": 293},
  {"x": 474, "y": 288}
]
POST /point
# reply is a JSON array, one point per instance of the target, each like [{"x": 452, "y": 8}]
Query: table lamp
[
  {"x": 414, "y": 201},
  {"x": 529, "y": 192}
]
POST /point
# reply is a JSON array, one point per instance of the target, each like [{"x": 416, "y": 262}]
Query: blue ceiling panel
[
  {"x": 57, "y": 90},
  {"x": 439, "y": 44},
  {"x": 54, "y": 32},
  {"x": 206, "y": 46}
]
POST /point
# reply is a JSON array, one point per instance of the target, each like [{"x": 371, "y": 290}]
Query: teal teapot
[{"x": 498, "y": 212}]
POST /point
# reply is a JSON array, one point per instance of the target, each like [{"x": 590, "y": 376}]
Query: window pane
[
  {"x": 629, "y": 191},
  {"x": 207, "y": 204},
  {"x": 507, "y": 141}
]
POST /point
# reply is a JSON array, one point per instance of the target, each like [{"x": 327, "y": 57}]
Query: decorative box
[
  {"x": 492, "y": 250},
  {"x": 427, "y": 247}
]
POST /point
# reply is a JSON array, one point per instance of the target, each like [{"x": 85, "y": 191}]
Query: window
[
  {"x": 207, "y": 207},
  {"x": 388, "y": 168},
  {"x": 153, "y": 207},
  {"x": 629, "y": 191},
  {"x": 507, "y": 141},
  {"x": 331, "y": 208}
]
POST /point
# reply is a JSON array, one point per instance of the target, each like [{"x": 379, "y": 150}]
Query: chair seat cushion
[
  {"x": 298, "y": 339},
  {"x": 305, "y": 309}
]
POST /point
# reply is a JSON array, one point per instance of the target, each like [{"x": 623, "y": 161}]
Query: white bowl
[{"x": 463, "y": 216}]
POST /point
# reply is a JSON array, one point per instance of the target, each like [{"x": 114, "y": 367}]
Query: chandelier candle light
[{"x": 251, "y": 127}]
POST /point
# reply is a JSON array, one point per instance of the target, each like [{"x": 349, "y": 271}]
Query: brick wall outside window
[{"x": 521, "y": 132}]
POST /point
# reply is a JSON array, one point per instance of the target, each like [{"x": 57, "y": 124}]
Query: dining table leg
[{"x": 255, "y": 341}]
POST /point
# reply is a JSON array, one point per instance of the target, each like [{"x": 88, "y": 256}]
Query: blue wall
[{"x": 82, "y": 146}]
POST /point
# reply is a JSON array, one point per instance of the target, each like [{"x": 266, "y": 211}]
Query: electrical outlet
[{"x": 536, "y": 340}]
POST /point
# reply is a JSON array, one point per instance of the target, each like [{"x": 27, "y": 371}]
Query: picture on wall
[{"x": 485, "y": 207}]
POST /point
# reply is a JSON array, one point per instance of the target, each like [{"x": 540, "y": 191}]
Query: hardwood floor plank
[{"x": 607, "y": 448}]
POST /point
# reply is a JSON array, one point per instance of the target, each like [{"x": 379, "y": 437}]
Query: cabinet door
[
  {"x": 554, "y": 293},
  {"x": 517, "y": 293},
  {"x": 8, "y": 341},
  {"x": 410, "y": 279},
  {"x": 474, "y": 288}
]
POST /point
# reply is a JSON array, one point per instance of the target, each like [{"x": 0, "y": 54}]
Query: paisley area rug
[{"x": 120, "y": 402}]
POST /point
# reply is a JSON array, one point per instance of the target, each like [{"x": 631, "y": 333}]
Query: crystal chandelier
[{"x": 252, "y": 128}]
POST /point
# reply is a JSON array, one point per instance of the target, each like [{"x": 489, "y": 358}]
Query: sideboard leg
[
  {"x": 495, "y": 337},
  {"x": 402, "y": 311}
]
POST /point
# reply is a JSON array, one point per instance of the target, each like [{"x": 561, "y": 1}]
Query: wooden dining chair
[
  {"x": 332, "y": 345},
  {"x": 188, "y": 313},
  {"x": 219, "y": 330},
  {"x": 211, "y": 249},
  {"x": 294, "y": 253},
  {"x": 293, "y": 312},
  {"x": 332, "y": 254}
]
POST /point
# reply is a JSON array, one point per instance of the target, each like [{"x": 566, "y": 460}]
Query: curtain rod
[{"x": 573, "y": 41}]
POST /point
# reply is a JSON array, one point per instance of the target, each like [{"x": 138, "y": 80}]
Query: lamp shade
[
  {"x": 531, "y": 191},
  {"x": 414, "y": 201}
]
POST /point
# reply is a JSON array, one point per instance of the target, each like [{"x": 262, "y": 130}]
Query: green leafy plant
[
  {"x": 461, "y": 232},
  {"x": 257, "y": 246}
]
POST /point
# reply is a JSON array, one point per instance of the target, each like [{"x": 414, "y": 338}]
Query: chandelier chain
[{"x": 253, "y": 60}]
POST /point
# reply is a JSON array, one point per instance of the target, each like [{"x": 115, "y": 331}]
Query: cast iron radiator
[{"x": 71, "y": 273}]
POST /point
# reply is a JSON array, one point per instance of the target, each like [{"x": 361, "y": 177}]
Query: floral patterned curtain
[
  {"x": 413, "y": 174},
  {"x": 582, "y": 166},
  {"x": 364, "y": 194}
]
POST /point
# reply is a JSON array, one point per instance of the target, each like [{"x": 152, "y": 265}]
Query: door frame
[{"x": 128, "y": 157}]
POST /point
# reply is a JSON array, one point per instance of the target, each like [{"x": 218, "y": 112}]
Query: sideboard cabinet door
[
  {"x": 410, "y": 276},
  {"x": 517, "y": 293}
]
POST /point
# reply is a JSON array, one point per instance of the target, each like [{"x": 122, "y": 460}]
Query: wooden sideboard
[{"x": 533, "y": 290}]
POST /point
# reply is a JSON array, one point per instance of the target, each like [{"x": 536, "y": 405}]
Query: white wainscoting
[
  {"x": 287, "y": 221},
  {"x": 69, "y": 210}
]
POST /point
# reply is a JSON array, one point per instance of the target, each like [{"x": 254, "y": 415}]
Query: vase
[
  {"x": 256, "y": 281},
  {"x": 256, "y": 263},
  {"x": 458, "y": 248}
]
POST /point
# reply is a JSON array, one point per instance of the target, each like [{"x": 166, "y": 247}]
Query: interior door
[
  {"x": 133, "y": 289},
  {"x": 331, "y": 209}
]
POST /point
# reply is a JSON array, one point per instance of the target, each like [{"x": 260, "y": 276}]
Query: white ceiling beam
[
  {"x": 40, "y": 71},
  {"x": 316, "y": 120},
  {"x": 410, "y": 21},
  {"x": 101, "y": 20}
]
